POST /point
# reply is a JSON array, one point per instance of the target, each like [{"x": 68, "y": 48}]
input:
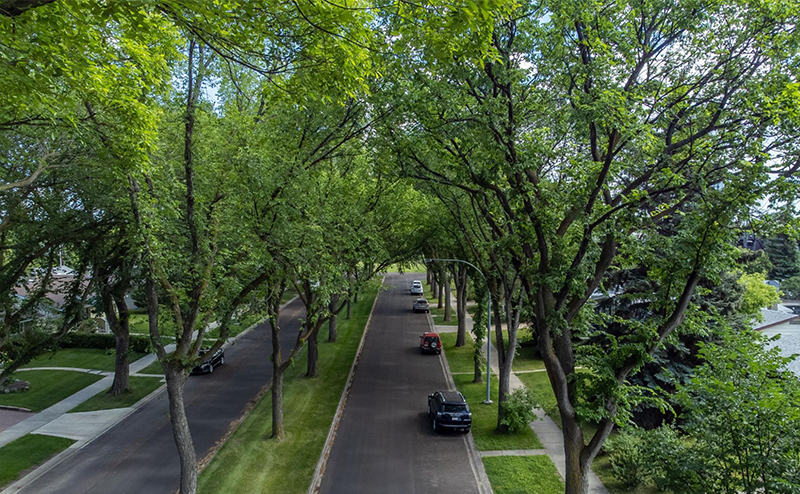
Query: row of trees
[{"x": 213, "y": 152}]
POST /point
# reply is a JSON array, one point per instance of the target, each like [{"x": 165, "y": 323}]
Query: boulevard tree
[{"x": 588, "y": 131}]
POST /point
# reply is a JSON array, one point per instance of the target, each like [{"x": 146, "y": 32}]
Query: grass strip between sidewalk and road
[
  {"x": 80, "y": 358},
  {"x": 48, "y": 387},
  {"x": 523, "y": 475},
  {"x": 484, "y": 417},
  {"x": 31, "y": 450},
  {"x": 140, "y": 387},
  {"x": 251, "y": 461}
]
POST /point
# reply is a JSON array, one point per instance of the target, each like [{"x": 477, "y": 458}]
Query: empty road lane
[{"x": 385, "y": 443}]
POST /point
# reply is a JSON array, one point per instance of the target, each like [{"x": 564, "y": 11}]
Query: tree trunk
[
  {"x": 278, "y": 430},
  {"x": 122, "y": 366},
  {"x": 176, "y": 379},
  {"x": 461, "y": 305},
  {"x": 448, "y": 308},
  {"x": 347, "y": 315},
  {"x": 434, "y": 286},
  {"x": 576, "y": 475},
  {"x": 355, "y": 296},
  {"x": 333, "y": 336},
  {"x": 313, "y": 355},
  {"x": 440, "y": 287},
  {"x": 478, "y": 372},
  {"x": 428, "y": 275}
]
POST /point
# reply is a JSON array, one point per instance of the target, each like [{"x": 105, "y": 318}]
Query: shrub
[
  {"x": 103, "y": 341},
  {"x": 518, "y": 410},
  {"x": 627, "y": 458}
]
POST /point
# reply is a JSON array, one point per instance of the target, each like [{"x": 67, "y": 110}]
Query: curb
[
  {"x": 319, "y": 471},
  {"x": 484, "y": 486},
  {"x": 14, "y": 409}
]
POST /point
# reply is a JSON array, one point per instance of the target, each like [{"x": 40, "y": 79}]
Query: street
[{"x": 385, "y": 443}]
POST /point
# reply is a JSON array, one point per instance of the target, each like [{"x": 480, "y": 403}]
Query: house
[{"x": 786, "y": 324}]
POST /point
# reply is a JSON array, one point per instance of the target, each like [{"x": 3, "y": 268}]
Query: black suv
[{"x": 449, "y": 410}]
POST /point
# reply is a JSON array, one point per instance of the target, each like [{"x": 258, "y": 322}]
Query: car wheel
[
  {"x": 221, "y": 360},
  {"x": 466, "y": 430},
  {"x": 210, "y": 368},
  {"x": 435, "y": 426}
]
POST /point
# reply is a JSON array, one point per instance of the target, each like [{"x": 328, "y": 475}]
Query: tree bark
[
  {"x": 176, "y": 379},
  {"x": 313, "y": 355},
  {"x": 347, "y": 316},
  {"x": 333, "y": 335},
  {"x": 576, "y": 477},
  {"x": 440, "y": 287},
  {"x": 278, "y": 429},
  {"x": 461, "y": 305},
  {"x": 434, "y": 286},
  {"x": 448, "y": 308},
  {"x": 122, "y": 366}
]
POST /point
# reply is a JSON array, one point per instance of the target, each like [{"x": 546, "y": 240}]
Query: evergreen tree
[{"x": 784, "y": 256}]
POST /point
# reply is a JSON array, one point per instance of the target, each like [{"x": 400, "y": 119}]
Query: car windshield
[
  {"x": 451, "y": 408},
  {"x": 421, "y": 302}
]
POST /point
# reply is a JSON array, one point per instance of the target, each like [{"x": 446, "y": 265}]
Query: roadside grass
[
  {"x": 523, "y": 475},
  {"x": 81, "y": 358},
  {"x": 47, "y": 388},
  {"x": 27, "y": 452},
  {"x": 484, "y": 417},
  {"x": 438, "y": 317},
  {"x": 154, "y": 368},
  {"x": 251, "y": 461},
  {"x": 140, "y": 387}
]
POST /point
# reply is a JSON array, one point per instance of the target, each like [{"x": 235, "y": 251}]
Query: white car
[{"x": 416, "y": 288}]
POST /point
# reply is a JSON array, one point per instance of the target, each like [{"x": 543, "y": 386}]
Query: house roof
[{"x": 773, "y": 317}]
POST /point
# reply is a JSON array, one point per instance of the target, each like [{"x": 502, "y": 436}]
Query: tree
[
  {"x": 757, "y": 295},
  {"x": 784, "y": 256},
  {"x": 631, "y": 118},
  {"x": 740, "y": 424}
]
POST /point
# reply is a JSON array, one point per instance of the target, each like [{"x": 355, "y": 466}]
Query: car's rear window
[
  {"x": 449, "y": 408},
  {"x": 431, "y": 339}
]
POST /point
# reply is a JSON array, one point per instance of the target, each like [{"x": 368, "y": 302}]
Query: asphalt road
[
  {"x": 139, "y": 454},
  {"x": 385, "y": 443}
]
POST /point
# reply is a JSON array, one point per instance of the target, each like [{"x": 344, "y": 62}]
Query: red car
[{"x": 430, "y": 342}]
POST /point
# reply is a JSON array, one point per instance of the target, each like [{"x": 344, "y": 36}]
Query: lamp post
[{"x": 488, "y": 399}]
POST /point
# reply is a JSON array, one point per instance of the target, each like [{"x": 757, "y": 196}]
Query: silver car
[{"x": 416, "y": 288}]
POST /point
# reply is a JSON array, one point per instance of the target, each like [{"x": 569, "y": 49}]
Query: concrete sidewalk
[{"x": 546, "y": 430}]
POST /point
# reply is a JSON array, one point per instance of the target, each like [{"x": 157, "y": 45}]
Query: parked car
[
  {"x": 449, "y": 410},
  {"x": 421, "y": 305},
  {"x": 208, "y": 367},
  {"x": 430, "y": 342},
  {"x": 416, "y": 288}
]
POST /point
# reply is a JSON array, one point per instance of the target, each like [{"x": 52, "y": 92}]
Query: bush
[
  {"x": 139, "y": 344},
  {"x": 791, "y": 288},
  {"x": 627, "y": 458},
  {"x": 518, "y": 410}
]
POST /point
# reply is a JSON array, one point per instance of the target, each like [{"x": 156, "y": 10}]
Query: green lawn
[
  {"x": 82, "y": 358},
  {"x": 523, "y": 475},
  {"x": 438, "y": 316},
  {"x": 140, "y": 387},
  {"x": 154, "y": 368},
  {"x": 27, "y": 452},
  {"x": 252, "y": 462},
  {"x": 539, "y": 383},
  {"x": 484, "y": 417},
  {"x": 47, "y": 388}
]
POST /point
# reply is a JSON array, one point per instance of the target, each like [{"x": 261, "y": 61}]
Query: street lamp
[{"x": 488, "y": 399}]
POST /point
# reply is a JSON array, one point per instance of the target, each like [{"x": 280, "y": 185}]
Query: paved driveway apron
[
  {"x": 139, "y": 455},
  {"x": 385, "y": 443}
]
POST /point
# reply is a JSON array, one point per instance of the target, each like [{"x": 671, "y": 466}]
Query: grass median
[
  {"x": 253, "y": 462},
  {"x": 140, "y": 387},
  {"x": 523, "y": 475},
  {"x": 48, "y": 387},
  {"x": 27, "y": 452}
]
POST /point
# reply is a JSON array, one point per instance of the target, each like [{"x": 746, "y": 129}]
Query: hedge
[{"x": 103, "y": 341}]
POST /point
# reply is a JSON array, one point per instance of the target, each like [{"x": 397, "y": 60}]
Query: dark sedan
[{"x": 208, "y": 366}]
